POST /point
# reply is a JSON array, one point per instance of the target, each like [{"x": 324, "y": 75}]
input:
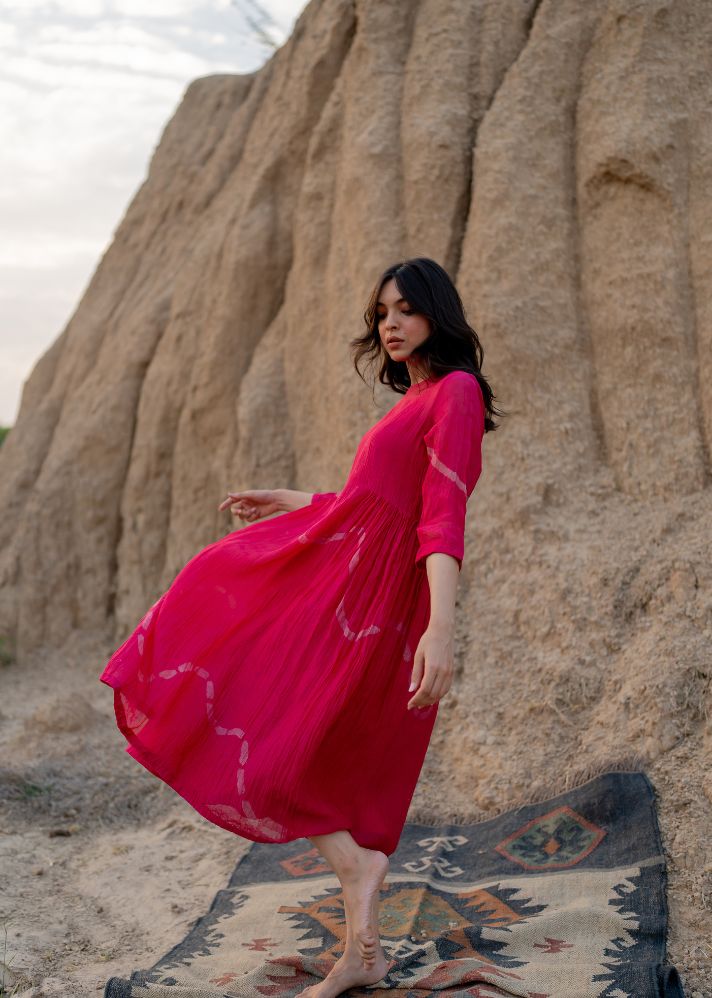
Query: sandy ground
[{"x": 104, "y": 868}]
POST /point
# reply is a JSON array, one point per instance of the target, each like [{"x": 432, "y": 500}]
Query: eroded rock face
[{"x": 556, "y": 157}]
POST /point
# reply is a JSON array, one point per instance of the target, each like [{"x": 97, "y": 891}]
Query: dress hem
[{"x": 135, "y": 751}]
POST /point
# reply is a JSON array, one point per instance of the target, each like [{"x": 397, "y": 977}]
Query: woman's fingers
[
  {"x": 246, "y": 514},
  {"x": 441, "y": 685},
  {"x": 421, "y": 697},
  {"x": 431, "y": 689},
  {"x": 232, "y": 497},
  {"x": 236, "y": 499},
  {"x": 416, "y": 677}
]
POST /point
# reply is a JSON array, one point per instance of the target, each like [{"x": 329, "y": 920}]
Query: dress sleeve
[
  {"x": 322, "y": 497},
  {"x": 454, "y": 448}
]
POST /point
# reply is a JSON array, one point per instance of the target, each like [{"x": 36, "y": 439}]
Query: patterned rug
[{"x": 565, "y": 898}]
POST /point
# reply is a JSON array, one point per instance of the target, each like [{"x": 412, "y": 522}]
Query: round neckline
[{"x": 421, "y": 385}]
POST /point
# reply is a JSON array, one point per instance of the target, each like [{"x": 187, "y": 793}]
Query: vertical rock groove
[{"x": 583, "y": 320}]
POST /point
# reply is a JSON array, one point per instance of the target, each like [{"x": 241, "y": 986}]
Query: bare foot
[
  {"x": 361, "y": 887},
  {"x": 349, "y": 971}
]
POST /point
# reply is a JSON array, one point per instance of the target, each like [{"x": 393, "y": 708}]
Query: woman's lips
[{"x": 394, "y": 343}]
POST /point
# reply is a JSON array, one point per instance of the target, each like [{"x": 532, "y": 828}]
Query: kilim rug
[{"x": 565, "y": 898}]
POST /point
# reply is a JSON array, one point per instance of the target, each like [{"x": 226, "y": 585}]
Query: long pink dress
[{"x": 268, "y": 684}]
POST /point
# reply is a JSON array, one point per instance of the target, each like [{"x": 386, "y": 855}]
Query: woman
[{"x": 269, "y": 685}]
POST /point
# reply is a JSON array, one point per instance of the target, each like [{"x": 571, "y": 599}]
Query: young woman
[{"x": 287, "y": 682}]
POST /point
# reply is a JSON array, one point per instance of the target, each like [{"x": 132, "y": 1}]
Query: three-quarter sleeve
[
  {"x": 322, "y": 497},
  {"x": 454, "y": 450}
]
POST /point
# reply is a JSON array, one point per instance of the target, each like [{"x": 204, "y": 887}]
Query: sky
[{"x": 86, "y": 88}]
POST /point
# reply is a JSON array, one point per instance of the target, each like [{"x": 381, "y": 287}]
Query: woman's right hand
[{"x": 255, "y": 503}]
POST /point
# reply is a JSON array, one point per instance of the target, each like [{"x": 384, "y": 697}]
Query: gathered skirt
[{"x": 268, "y": 685}]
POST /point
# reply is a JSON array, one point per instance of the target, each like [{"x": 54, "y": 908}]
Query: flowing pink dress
[{"x": 268, "y": 685}]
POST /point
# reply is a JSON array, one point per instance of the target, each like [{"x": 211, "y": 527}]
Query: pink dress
[{"x": 268, "y": 684}]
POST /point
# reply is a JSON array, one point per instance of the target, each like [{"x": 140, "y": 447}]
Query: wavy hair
[{"x": 453, "y": 345}]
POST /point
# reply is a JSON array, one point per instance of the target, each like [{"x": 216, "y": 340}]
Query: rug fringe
[{"x": 631, "y": 762}]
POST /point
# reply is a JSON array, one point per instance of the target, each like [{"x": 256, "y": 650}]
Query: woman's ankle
[{"x": 341, "y": 851}]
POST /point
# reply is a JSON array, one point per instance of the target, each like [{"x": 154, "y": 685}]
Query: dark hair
[{"x": 453, "y": 345}]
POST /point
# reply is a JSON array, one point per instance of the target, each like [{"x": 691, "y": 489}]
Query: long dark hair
[{"x": 453, "y": 345}]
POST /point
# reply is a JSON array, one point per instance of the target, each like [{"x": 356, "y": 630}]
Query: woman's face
[{"x": 401, "y": 329}]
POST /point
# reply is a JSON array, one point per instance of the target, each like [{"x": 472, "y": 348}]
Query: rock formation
[{"x": 556, "y": 157}]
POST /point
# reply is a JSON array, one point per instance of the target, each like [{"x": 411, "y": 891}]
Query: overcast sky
[{"x": 86, "y": 87}]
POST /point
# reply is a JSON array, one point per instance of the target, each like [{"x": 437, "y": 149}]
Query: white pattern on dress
[
  {"x": 136, "y": 719},
  {"x": 348, "y": 631},
  {"x": 443, "y": 469},
  {"x": 343, "y": 620},
  {"x": 341, "y": 615}
]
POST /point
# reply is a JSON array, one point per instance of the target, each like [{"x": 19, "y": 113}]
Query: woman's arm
[
  {"x": 443, "y": 571},
  {"x": 290, "y": 499},
  {"x": 253, "y": 504},
  {"x": 436, "y": 646},
  {"x": 453, "y": 445}
]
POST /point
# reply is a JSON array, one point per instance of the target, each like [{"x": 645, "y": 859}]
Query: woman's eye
[{"x": 406, "y": 311}]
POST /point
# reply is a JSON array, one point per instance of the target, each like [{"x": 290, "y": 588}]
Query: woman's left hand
[{"x": 432, "y": 667}]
